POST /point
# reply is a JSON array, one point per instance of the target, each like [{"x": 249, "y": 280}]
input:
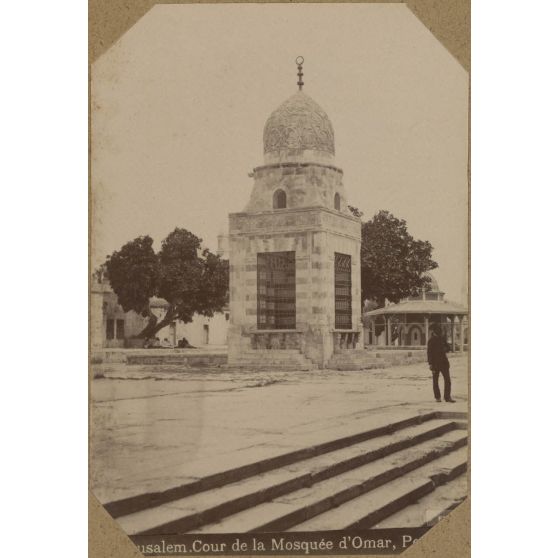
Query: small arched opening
[
  {"x": 279, "y": 199},
  {"x": 337, "y": 202},
  {"x": 415, "y": 336}
]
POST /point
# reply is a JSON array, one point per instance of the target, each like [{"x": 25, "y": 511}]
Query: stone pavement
[{"x": 160, "y": 427}]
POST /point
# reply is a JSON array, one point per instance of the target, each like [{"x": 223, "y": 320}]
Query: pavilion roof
[{"x": 419, "y": 307}]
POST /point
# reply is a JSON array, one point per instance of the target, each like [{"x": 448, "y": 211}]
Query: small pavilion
[{"x": 408, "y": 323}]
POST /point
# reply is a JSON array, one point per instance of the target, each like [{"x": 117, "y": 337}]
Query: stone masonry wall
[
  {"x": 306, "y": 185},
  {"x": 315, "y": 234}
]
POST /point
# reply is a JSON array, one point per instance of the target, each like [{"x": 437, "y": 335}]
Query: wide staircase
[{"x": 408, "y": 473}]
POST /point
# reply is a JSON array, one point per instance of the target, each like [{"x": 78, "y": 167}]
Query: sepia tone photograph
[{"x": 279, "y": 316}]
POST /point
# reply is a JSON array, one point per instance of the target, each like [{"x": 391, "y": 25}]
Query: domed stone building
[{"x": 295, "y": 249}]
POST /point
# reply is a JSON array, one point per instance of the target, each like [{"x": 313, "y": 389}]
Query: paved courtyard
[{"x": 155, "y": 428}]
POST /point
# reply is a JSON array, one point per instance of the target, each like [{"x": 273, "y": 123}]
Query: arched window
[
  {"x": 279, "y": 199},
  {"x": 337, "y": 202}
]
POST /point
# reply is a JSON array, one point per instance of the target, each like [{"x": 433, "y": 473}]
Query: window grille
[
  {"x": 343, "y": 301},
  {"x": 276, "y": 290},
  {"x": 110, "y": 329}
]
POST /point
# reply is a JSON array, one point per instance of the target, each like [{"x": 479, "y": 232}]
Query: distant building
[
  {"x": 200, "y": 332},
  {"x": 111, "y": 327},
  {"x": 409, "y": 322}
]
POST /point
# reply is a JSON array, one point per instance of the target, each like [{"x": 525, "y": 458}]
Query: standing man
[{"x": 438, "y": 361}]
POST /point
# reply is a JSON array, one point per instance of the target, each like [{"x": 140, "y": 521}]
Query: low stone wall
[
  {"x": 217, "y": 358},
  {"x": 192, "y": 358}
]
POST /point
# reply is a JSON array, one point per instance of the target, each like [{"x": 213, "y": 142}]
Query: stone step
[
  {"x": 271, "y": 362},
  {"x": 271, "y": 353},
  {"x": 381, "y": 502},
  {"x": 275, "y": 361},
  {"x": 343, "y": 358},
  {"x": 285, "y": 512},
  {"x": 275, "y": 357},
  {"x": 382, "y": 354},
  {"x": 223, "y": 477},
  {"x": 349, "y": 361},
  {"x": 430, "y": 509},
  {"x": 370, "y": 509},
  {"x": 286, "y": 355},
  {"x": 287, "y": 359},
  {"x": 197, "y": 361},
  {"x": 192, "y": 511},
  {"x": 263, "y": 367},
  {"x": 346, "y": 367}
]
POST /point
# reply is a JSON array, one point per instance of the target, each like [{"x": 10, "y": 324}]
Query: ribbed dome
[
  {"x": 433, "y": 283},
  {"x": 299, "y": 123}
]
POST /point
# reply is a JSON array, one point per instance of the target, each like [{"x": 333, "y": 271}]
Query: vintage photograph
[{"x": 279, "y": 315}]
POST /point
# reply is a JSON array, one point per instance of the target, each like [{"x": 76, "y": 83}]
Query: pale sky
[{"x": 180, "y": 102}]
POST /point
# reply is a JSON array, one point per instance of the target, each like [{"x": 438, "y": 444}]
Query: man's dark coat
[{"x": 437, "y": 349}]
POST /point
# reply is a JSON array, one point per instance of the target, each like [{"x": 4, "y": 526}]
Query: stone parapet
[
  {"x": 346, "y": 339},
  {"x": 289, "y": 222},
  {"x": 276, "y": 339}
]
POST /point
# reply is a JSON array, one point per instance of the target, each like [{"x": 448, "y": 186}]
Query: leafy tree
[
  {"x": 190, "y": 279},
  {"x": 393, "y": 263}
]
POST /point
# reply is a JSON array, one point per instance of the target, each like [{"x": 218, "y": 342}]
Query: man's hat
[{"x": 436, "y": 329}]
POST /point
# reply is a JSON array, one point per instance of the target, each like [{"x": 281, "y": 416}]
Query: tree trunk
[
  {"x": 146, "y": 331},
  {"x": 150, "y": 331},
  {"x": 153, "y": 327}
]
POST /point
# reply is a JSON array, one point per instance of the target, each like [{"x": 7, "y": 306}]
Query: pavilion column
[
  {"x": 372, "y": 331},
  {"x": 388, "y": 330},
  {"x": 405, "y": 330},
  {"x": 384, "y": 333},
  {"x": 426, "y": 328},
  {"x": 462, "y": 333},
  {"x": 452, "y": 318}
]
